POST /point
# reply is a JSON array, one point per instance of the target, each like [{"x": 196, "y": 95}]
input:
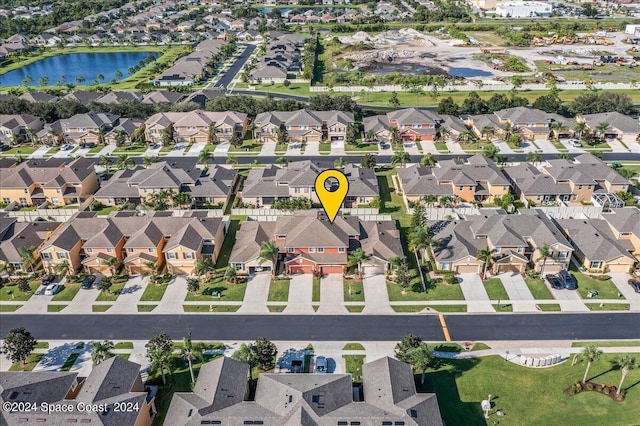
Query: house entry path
[
  {"x": 300, "y": 295},
  {"x": 256, "y": 295},
  {"x": 375, "y": 295},
  {"x": 332, "y": 295},
  {"x": 519, "y": 295},
  {"x": 475, "y": 293}
]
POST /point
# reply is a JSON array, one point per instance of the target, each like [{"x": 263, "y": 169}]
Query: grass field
[
  {"x": 529, "y": 396},
  {"x": 55, "y": 308},
  {"x": 549, "y": 307},
  {"x": 608, "y": 306},
  {"x": 146, "y": 308},
  {"x": 112, "y": 294},
  {"x": 354, "y": 309},
  {"x": 12, "y": 292},
  {"x": 228, "y": 292},
  {"x": 9, "y": 308},
  {"x": 315, "y": 293},
  {"x": 100, "y": 308},
  {"x": 210, "y": 308},
  {"x": 68, "y": 292},
  {"x": 278, "y": 291},
  {"x": 353, "y": 291},
  {"x": 153, "y": 292},
  {"x": 495, "y": 289},
  {"x": 31, "y": 362},
  {"x": 538, "y": 288},
  {"x": 606, "y": 289},
  {"x": 353, "y": 347},
  {"x": 353, "y": 365}
]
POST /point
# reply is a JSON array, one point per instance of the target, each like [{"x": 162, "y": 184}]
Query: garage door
[
  {"x": 333, "y": 269},
  {"x": 619, "y": 268},
  {"x": 552, "y": 268},
  {"x": 372, "y": 270},
  {"x": 301, "y": 269},
  {"x": 467, "y": 269},
  {"x": 508, "y": 268}
]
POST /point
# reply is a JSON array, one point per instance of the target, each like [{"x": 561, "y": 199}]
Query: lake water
[
  {"x": 86, "y": 65},
  {"x": 468, "y": 72}
]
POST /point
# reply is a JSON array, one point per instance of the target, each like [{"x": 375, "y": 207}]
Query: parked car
[
  {"x": 4, "y": 147},
  {"x": 554, "y": 281},
  {"x": 635, "y": 284},
  {"x": 48, "y": 279},
  {"x": 67, "y": 147},
  {"x": 88, "y": 281},
  {"x": 53, "y": 289},
  {"x": 575, "y": 143},
  {"x": 567, "y": 280},
  {"x": 321, "y": 364}
]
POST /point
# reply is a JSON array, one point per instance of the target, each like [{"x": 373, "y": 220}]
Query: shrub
[
  {"x": 450, "y": 278},
  {"x": 603, "y": 277},
  {"x": 606, "y": 390},
  {"x": 589, "y": 386},
  {"x": 578, "y": 387}
]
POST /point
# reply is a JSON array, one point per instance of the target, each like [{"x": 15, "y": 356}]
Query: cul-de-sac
[{"x": 319, "y": 212}]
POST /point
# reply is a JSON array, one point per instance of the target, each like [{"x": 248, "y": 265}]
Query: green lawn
[
  {"x": 354, "y": 309},
  {"x": 11, "y": 292},
  {"x": 608, "y": 306},
  {"x": 441, "y": 146},
  {"x": 123, "y": 345},
  {"x": 96, "y": 149},
  {"x": 210, "y": 308},
  {"x": 278, "y": 291},
  {"x": 408, "y": 308},
  {"x": 353, "y": 347},
  {"x": 9, "y": 308},
  {"x": 248, "y": 146},
  {"x": 325, "y": 148},
  {"x": 503, "y": 307},
  {"x": 475, "y": 147},
  {"x": 353, "y": 366},
  {"x": 529, "y": 396},
  {"x": 112, "y": 295},
  {"x": 100, "y": 308},
  {"x": 20, "y": 150},
  {"x": 449, "y": 308},
  {"x": 276, "y": 308},
  {"x": 31, "y": 362},
  {"x": 538, "y": 288},
  {"x": 361, "y": 148},
  {"x": 315, "y": 295},
  {"x": 606, "y": 289},
  {"x": 130, "y": 149},
  {"x": 223, "y": 258},
  {"x": 480, "y": 347},
  {"x": 55, "y": 308},
  {"x": 495, "y": 289},
  {"x": 68, "y": 292},
  {"x": 105, "y": 211},
  {"x": 549, "y": 307},
  {"x": 229, "y": 292},
  {"x": 153, "y": 292},
  {"x": 439, "y": 291},
  {"x": 357, "y": 291},
  {"x": 607, "y": 343},
  {"x": 69, "y": 362},
  {"x": 146, "y": 308}
]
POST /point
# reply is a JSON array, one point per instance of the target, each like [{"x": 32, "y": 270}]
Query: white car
[
  {"x": 52, "y": 289},
  {"x": 575, "y": 143}
]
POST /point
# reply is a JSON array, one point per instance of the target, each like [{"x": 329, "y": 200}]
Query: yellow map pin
[{"x": 331, "y": 192}]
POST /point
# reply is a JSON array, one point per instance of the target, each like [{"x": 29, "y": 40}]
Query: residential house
[
  {"x": 35, "y": 181},
  {"x": 90, "y": 241},
  {"x": 162, "y": 97},
  {"x": 565, "y": 180},
  {"x": 531, "y": 124},
  {"x": 196, "y": 126},
  {"x": 479, "y": 179},
  {"x": 390, "y": 397},
  {"x": 119, "y": 97},
  {"x": 414, "y": 124},
  {"x": 376, "y": 128},
  {"x": 620, "y": 126},
  {"x": 18, "y": 128},
  {"x": 134, "y": 186},
  {"x": 191, "y": 68},
  {"x": 122, "y": 131},
  {"x": 597, "y": 247},
  {"x": 281, "y": 60},
  {"x": 38, "y": 97},
  {"x": 515, "y": 240},
  {"x": 263, "y": 186},
  {"x": 309, "y": 243},
  {"x": 201, "y": 96},
  {"x": 15, "y": 236},
  {"x": 114, "y": 382},
  {"x": 625, "y": 225},
  {"x": 303, "y": 125},
  {"x": 88, "y": 128},
  {"x": 83, "y": 96}
]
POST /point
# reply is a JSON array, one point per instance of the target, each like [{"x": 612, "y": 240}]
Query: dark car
[
  {"x": 48, "y": 279},
  {"x": 567, "y": 280},
  {"x": 554, "y": 281},
  {"x": 635, "y": 284},
  {"x": 88, "y": 282}
]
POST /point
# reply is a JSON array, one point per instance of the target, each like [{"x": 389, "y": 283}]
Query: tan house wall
[
  {"x": 73, "y": 257},
  {"x": 467, "y": 193}
]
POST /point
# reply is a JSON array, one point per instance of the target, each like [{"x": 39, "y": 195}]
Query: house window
[
  {"x": 57, "y": 190},
  {"x": 579, "y": 186},
  {"x": 88, "y": 250},
  {"x": 290, "y": 250},
  {"x": 23, "y": 201},
  {"x": 320, "y": 249},
  {"x": 363, "y": 200},
  {"x": 498, "y": 249},
  {"x": 520, "y": 250},
  {"x": 563, "y": 255},
  {"x": 340, "y": 249},
  {"x": 129, "y": 250},
  {"x": 461, "y": 188},
  {"x": 188, "y": 255},
  {"x": 446, "y": 266},
  {"x": 55, "y": 200},
  {"x": 6, "y": 200},
  {"x": 150, "y": 249},
  {"x": 595, "y": 265},
  {"x": 312, "y": 249},
  {"x": 281, "y": 236},
  {"x": 46, "y": 255},
  {"x": 109, "y": 250},
  {"x": 62, "y": 255},
  {"x": 296, "y": 190},
  {"x": 238, "y": 266},
  {"x": 171, "y": 255}
]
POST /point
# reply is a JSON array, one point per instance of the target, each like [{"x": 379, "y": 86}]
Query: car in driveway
[
  {"x": 554, "y": 281},
  {"x": 321, "y": 364},
  {"x": 53, "y": 289},
  {"x": 87, "y": 282},
  {"x": 575, "y": 143},
  {"x": 635, "y": 284},
  {"x": 48, "y": 279},
  {"x": 567, "y": 280}
]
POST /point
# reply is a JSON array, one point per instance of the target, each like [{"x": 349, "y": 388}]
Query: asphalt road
[
  {"x": 235, "y": 68},
  {"x": 555, "y": 326}
]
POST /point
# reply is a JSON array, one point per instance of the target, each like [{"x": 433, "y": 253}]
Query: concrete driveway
[
  {"x": 196, "y": 149},
  {"x": 332, "y": 295},
  {"x": 569, "y": 300},
  {"x": 312, "y": 148},
  {"x": 475, "y": 293},
  {"x": 268, "y": 149},
  {"x": 81, "y": 304},
  {"x": 300, "y": 295},
  {"x": 375, "y": 295},
  {"x": 40, "y": 152},
  {"x": 620, "y": 280},
  {"x": 175, "y": 294},
  {"x": 521, "y": 298},
  {"x": 546, "y": 146},
  {"x": 222, "y": 149},
  {"x": 256, "y": 295},
  {"x": 129, "y": 297}
]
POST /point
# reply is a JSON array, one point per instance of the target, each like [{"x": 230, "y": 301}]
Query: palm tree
[
  {"x": 487, "y": 132},
  {"x": 442, "y": 132},
  {"x": 189, "y": 353},
  {"x": 112, "y": 263},
  {"x": 430, "y": 199},
  {"x": 269, "y": 251},
  {"x": 160, "y": 359},
  {"x": 62, "y": 268},
  {"x": 124, "y": 161},
  {"x": 580, "y": 127},
  {"x": 590, "y": 353},
  {"x": 203, "y": 157},
  {"x": 508, "y": 130},
  {"x": 601, "y": 129},
  {"x": 204, "y": 266},
  {"x": 181, "y": 199},
  {"x": 428, "y": 160},
  {"x": 625, "y": 363},
  {"x": 545, "y": 253},
  {"x": 339, "y": 163},
  {"x": 107, "y": 162},
  {"x": 419, "y": 239},
  {"x": 356, "y": 258},
  {"x": 27, "y": 257},
  {"x": 401, "y": 158},
  {"x": 101, "y": 351},
  {"x": 7, "y": 267},
  {"x": 394, "y": 134},
  {"x": 533, "y": 157},
  {"x": 486, "y": 255},
  {"x": 421, "y": 358},
  {"x": 43, "y": 81},
  {"x": 148, "y": 161},
  {"x": 282, "y": 161}
]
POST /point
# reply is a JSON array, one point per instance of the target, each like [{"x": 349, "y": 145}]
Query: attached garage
[
  {"x": 300, "y": 269},
  {"x": 331, "y": 269},
  {"x": 467, "y": 269},
  {"x": 259, "y": 269},
  {"x": 373, "y": 270},
  {"x": 510, "y": 267},
  {"x": 619, "y": 267},
  {"x": 553, "y": 268}
]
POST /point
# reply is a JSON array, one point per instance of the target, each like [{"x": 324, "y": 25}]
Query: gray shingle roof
[{"x": 594, "y": 239}]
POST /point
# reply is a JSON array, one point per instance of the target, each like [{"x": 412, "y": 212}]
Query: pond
[
  {"x": 77, "y": 68},
  {"x": 468, "y": 72}
]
